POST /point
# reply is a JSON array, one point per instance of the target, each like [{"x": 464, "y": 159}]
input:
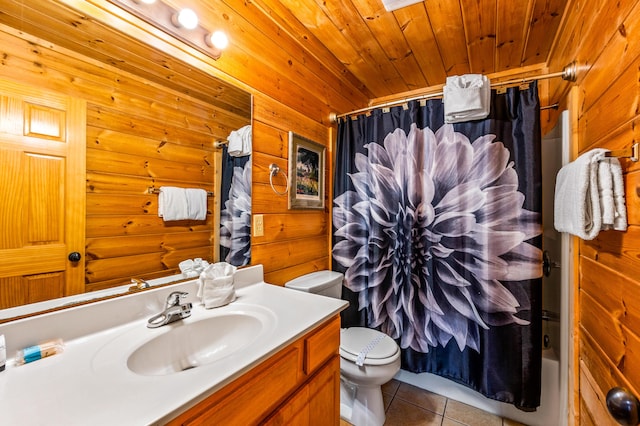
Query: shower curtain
[
  {"x": 235, "y": 216},
  {"x": 437, "y": 228}
]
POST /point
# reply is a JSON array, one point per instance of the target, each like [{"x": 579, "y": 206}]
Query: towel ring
[{"x": 274, "y": 170}]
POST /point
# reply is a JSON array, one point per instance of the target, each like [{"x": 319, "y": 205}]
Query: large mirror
[{"x": 142, "y": 119}]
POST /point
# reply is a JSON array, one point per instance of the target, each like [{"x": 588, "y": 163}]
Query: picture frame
[{"x": 306, "y": 172}]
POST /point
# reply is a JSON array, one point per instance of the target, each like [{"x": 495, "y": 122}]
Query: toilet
[{"x": 368, "y": 358}]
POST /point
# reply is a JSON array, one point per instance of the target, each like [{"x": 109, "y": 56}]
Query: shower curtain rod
[{"x": 568, "y": 73}]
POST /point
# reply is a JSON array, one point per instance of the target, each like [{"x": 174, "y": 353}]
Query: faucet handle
[{"x": 174, "y": 298}]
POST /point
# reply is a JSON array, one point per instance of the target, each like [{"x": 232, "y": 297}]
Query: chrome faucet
[
  {"x": 174, "y": 310},
  {"x": 138, "y": 284}
]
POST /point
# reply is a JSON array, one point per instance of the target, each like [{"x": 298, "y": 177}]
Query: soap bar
[{"x": 36, "y": 352}]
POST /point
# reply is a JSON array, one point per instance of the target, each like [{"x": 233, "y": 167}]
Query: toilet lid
[{"x": 375, "y": 346}]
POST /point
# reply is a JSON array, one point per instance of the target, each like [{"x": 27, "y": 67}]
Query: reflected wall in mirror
[{"x": 148, "y": 120}]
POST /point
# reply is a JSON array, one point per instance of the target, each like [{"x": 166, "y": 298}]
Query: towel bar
[
  {"x": 154, "y": 190},
  {"x": 630, "y": 153},
  {"x": 219, "y": 144}
]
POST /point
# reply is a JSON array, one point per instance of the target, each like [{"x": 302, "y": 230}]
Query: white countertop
[{"x": 89, "y": 383}]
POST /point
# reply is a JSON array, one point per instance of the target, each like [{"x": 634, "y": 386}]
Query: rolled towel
[
  {"x": 605, "y": 192},
  {"x": 216, "y": 285},
  {"x": 620, "y": 214}
]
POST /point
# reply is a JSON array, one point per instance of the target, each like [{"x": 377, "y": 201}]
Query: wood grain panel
[
  {"x": 450, "y": 38},
  {"x": 45, "y": 198},
  {"x": 385, "y": 29},
  {"x": 616, "y": 106},
  {"x": 415, "y": 25},
  {"x": 102, "y": 248},
  {"x": 621, "y": 47},
  {"x": 545, "y": 19},
  {"x": 479, "y": 18},
  {"x": 281, "y": 276},
  {"x": 279, "y": 255},
  {"x": 509, "y": 33}
]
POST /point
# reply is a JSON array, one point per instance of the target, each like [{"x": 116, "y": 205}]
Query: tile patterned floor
[{"x": 407, "y": 405}]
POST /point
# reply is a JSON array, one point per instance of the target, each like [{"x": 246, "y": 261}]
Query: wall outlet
[{"x": 258, "y": 225}]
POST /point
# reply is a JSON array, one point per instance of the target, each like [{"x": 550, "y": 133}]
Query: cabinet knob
[
  {"x": 75, "y": 256},
  {"x": 623, "y": 406}
]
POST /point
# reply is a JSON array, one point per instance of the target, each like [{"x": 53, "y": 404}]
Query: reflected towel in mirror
[{"x": 240, "y": 142}]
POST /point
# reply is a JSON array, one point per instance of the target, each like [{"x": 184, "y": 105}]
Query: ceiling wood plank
[
  {"x": 448, "y": 27},
  {"x": 384, "y": 27},
  {"x": 415, "y": 25},
  {"x": 511, "y": 31},
  {"x": 545, "y": 20},
  {"x": 479, "y": 18},
  {"x": 348, "y": 21}
]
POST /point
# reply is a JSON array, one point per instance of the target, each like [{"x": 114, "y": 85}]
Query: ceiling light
[
  {"x": 217, "y": 39},
  {"x": 391, "y": 5},
  {"x": 186, "y": 18}
]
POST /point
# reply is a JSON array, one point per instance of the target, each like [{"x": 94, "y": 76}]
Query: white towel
[
  {"x": 466, "y": 97},
  {"x": 215, "y": 285},
  {"x": 612, "y": 202},
  {"x": 605, "y": 193},
  {"x": 196, "y": 203},
  {"x": 172, "y": 203},
  {"x": 182, "y": 203},
  {"x": 586, "y": 195},
  {"x": 240, "y": 142}
]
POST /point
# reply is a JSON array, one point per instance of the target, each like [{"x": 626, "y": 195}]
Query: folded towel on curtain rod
[
  {"x": 240, "y": 142},
  {"x": 466, "y": 97},
  {"x": 586, "y": 199}
]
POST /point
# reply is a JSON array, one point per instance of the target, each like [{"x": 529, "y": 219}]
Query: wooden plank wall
[{"x": 604, "y": 37}]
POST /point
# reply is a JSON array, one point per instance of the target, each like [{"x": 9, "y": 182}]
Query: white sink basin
[
  {"x": 191, "y": 345},
  {"x": 204, "y": 338}
]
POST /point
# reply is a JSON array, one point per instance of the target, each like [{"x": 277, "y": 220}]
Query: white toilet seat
[{"x": 376, "y": 347}]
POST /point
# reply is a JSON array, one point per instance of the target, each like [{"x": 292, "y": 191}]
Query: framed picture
[{"x": 306, "y": 172}]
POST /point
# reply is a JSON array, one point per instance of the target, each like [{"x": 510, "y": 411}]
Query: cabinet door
[
  {"x": 316, "y": 403},
  {"x": 42, "y": 188},
  {"x": 324, "y": 395}
]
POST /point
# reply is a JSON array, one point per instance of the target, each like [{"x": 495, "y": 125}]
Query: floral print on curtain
[
  {"x": 235, "y": 216},
  {"x": 438, "y": 235}
]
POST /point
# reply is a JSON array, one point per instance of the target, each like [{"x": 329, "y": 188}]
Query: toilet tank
[{"x": 326, "y": 283}]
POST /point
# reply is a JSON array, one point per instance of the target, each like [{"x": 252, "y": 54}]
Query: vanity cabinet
[{"x": 299, "y": 385}]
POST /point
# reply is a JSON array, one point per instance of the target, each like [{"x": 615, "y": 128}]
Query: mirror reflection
[{"x": 132, "y": 119}]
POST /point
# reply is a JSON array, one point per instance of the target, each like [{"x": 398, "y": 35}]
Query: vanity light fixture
[
  {"x": 217, "y": 39},
  {"x": 182, "y": 24},
  {"x": 185, "y": 18}
]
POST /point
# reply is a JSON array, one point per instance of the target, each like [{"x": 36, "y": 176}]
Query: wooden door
[{"x": 42, "y": 194}]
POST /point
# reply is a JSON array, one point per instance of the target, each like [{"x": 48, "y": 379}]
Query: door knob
[
  {"x": 623, "y": 406},
  {"x": 75, "y": 256}
]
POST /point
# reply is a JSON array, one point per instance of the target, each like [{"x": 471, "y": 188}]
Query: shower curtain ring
[{"x": 274, "y": 170}]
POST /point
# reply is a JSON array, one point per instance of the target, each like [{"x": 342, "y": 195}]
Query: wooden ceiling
[
  {"x": 420, "y": 45},
  {"x": 372, "y": 53}
]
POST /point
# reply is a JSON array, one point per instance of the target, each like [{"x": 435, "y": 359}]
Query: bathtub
[{"x": 549, "y": 412}]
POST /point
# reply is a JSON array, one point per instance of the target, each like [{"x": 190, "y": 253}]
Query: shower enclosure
[{"x": 556, "y": 310}]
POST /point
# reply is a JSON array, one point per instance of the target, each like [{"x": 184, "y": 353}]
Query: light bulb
[
  {"x": 188, "y": 19},
  {"x": 217, "y": 39}
]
